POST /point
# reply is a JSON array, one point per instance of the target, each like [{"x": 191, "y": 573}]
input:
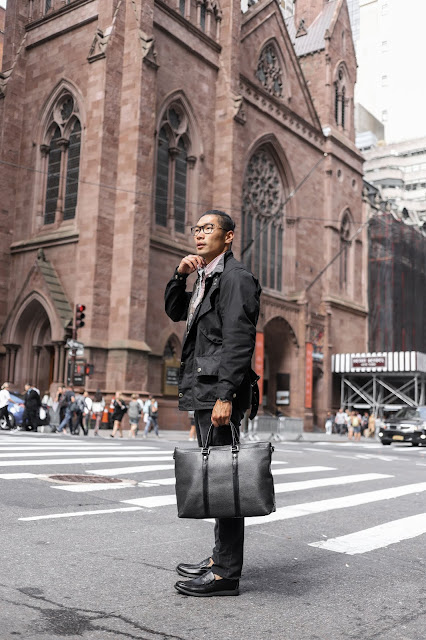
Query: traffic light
[
  {"x": 79, "y": 315},
  {"x": 89, "y": 369}
]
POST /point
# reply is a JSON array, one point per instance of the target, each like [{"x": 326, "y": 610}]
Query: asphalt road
[{"x": 343, "y": 557}]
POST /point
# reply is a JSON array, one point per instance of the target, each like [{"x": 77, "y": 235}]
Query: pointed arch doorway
[{"x": 33, "y": 356}]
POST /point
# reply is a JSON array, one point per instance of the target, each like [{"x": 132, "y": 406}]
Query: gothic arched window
[
  {"x": 345, "y": 235},
  {"x": 61, "y": 160},
  {"x": 172, "y": 169},
  {"x": 269, "y": 72},
  {"x": 262, "y": 212},
  {"x": 340, "y": 98}
]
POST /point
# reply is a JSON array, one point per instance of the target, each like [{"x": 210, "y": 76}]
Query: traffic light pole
[{"x": 73, "y": 352}]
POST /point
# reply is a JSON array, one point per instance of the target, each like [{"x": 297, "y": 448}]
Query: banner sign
[
  {"x": 309, "y": 375},
  {"x": 357, "y": 362},
  {"x": 259, "y": 356}
]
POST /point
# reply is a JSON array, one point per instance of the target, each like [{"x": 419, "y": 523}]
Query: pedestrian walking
[
  {"x": 329, "y": 423},
  {"x": 119, "y": 409},
  {"x": 192, "y": 431},
  {"x": 67, "y": 403},
  {"x": 341, "y": 421},
  {"x": 54, "y": 411},
  {"x": 214, "y": 380},
  {"x": 134, "y": 415},
  {"x": 98, "y": 407},
  {"x": 5, "y": 399},
  {"x": 87, "y": 412},
  {"x": 371, "y": 432},
  {"x": 32, "y": 402},
  {"x": 153, "y": 417}
]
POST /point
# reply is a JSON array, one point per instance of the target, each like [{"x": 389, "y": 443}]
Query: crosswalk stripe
[
  {"x": 91, "y": 452},
  {"x": 376, "y": 537},
  {"x": 92, "y": 447},
  {"x": 85, "y": 488},
  {"x": 64, "y": 461},
  {"x": 321, "y": 506},
  {"x": 292, "y": 470},
  {"x": 17, "y": 476},
  {"x": 287, "y": 471},
  {"x": 152, "y": 501},
  {"x": 124, "y": 470},
  {"x": 287, "y": 487},
  {"x": 162, "y": 501},
  {"x": 74, "y": 514}
]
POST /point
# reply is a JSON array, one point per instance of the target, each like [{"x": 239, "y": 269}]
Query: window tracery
[
  {"x": 269, "y": 71},
  {"x": 262, "y": 211},
  {"x": 61, "y": 160},
  {"x": 173, "y": 161}
]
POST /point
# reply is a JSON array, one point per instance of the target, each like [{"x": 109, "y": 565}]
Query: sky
[{"x": 3, "y": 3}]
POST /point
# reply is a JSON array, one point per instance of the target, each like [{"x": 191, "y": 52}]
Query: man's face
[{"x": 211, "y": 245}]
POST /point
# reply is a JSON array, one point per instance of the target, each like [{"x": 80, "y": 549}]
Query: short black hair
[{"x": 226, "y": 222}]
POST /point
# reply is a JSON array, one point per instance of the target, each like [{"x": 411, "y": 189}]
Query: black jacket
[
  {"x": 218, "y": 346},
  {"x": 32, "y": 399}
]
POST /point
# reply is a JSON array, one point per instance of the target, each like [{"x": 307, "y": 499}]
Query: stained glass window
[
  {"x": 162, "y": 184},
  {"x": 73, "y": 170},
  {"x": 53, "y": 178},
  {"x": 269, "y": 71},
  {"x": 263, "y": 196}
]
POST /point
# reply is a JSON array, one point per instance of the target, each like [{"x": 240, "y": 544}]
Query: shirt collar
[{"x": 215, "y": 266}]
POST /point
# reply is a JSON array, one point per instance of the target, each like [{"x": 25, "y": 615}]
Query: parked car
[
  {"x": 16, "y": 411},
  {"x": 407, "y": 425}
]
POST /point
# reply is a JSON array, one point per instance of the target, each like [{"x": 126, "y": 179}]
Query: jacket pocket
[
  {"x": 207, "y": 365},
  {"x": 206, "y": 372}
]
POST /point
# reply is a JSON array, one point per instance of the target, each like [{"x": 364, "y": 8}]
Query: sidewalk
[{"x": 170, "y": 435}]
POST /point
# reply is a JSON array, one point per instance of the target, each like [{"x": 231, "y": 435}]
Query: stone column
[
  {"x": 15, "y": 348},
  {"x": 36, "y": 352}
]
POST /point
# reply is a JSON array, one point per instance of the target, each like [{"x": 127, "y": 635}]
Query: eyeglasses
[{"x": 205, "y": 228}]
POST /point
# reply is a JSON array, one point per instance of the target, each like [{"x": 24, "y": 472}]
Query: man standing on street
[
  {"x": 214, "y": 381},
  {"x": 32, "y": 403}
]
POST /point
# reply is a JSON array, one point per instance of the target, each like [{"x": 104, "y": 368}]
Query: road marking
[
  {"x": 163, "y": 501},
  {"x": 91, "y": 452},
  {"x": 321, "y": 506},
  {"x": 17, "y": 476},
  {"x": 83, "y": 488},
  {"x": 79, "y": 513},
  {"x": 63, "y": 461},
  {"x": 152, "y": 501},
  {"x": 157, "y": 482},
  {"x": 279, "y": 462},
  {"x": 171, "y": 481},
  {"x": 286, "y": 487},
  {"x": 292, "y": 470},
  {"x": 124, "y": 470},
  {"x": 376, "y": 537}
]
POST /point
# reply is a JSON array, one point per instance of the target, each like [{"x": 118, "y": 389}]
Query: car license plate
[{"x": 397, "y": 437}]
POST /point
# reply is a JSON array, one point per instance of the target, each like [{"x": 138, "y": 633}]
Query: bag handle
[{"x": 235, "y": 438}]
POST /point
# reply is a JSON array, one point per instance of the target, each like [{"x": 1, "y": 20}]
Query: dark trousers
[
  {"x": 30, "y": 418},
  {"x": 4, "y": 413},
  {"x": 229, "y": 532}
]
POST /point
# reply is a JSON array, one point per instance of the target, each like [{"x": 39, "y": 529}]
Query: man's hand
[
  {"x": 190, "y": 263},
  {"x": 221, "y": 413}
]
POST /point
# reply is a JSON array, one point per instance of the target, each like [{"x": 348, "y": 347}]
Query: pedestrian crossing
[{"x": 147, "y": 484}]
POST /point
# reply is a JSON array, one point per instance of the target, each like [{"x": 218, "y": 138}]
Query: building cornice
[{"x": 54, "y": 239}]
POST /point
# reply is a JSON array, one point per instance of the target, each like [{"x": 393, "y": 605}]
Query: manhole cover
[{"x": 84, "y": 478}]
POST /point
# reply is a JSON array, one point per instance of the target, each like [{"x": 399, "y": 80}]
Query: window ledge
[
  {"x": 51, "y": 15},
  {"x": 55, "y": 238}
]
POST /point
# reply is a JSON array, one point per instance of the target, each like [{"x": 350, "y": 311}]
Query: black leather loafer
[
  {"x": 206, "y": 585},
  {"x": 193, "y": 570}
]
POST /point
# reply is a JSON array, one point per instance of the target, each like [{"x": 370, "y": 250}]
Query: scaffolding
[
  {"x": 396, "y": 285},
  {"x": 381, "y": 382}
]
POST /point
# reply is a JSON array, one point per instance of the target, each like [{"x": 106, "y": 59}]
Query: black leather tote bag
[{"x": 231, "y": 481}]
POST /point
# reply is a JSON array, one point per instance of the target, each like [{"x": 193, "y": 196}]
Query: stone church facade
[{"x": 121, "y": 121}]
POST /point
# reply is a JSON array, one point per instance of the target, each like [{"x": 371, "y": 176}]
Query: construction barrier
[{"x": 281, "y": 428}]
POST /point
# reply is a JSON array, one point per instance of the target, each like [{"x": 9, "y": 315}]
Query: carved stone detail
[
  {"x": 149, "y": 53},
  {"x": 99, "y": 45},
  {"x": 239, "y": 110}
]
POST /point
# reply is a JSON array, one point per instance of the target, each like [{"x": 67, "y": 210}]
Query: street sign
[{"x": 73, "y": 344}]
